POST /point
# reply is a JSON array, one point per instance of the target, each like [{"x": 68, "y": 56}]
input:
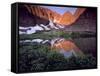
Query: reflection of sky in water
[
  {"x": 61, "y": 10},
  {"x": 65, "y": 47}
]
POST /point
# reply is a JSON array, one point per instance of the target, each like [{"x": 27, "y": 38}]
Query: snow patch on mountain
[{"x": 41, "y": 27}]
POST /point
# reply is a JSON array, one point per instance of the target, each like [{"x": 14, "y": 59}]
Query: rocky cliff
[
  {"x": 32, "y": 14},
  {"x": 87, "y": 21},
  {"x": 40, "y": 18}
]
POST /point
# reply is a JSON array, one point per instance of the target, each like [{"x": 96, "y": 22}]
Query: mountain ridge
[{"x": 66, "y": 19}]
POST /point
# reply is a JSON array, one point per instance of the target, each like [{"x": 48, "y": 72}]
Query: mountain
[
  {"x": 31, "y": 15},
  {"x": 87, "y": 21},
  {"x": 40, "y": 18},
  {"x": 66, "y": 19}
]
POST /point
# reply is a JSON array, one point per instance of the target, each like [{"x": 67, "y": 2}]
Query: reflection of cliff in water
[
  {"x": 67, "y": 47},
  {"x": 61, "y": 45},
  {"x": 87, "y": 45}
]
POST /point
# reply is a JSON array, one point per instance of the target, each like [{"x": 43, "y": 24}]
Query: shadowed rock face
[
  {"x": 31, "y": 14},
  {"x": 85, "y": 22},
  {"x": 27, "y": 19},
  {"x": 84, "y": 19},
  {"x": 41, "y": 12}
]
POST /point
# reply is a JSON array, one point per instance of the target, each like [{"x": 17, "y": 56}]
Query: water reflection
[
  {"x": 67, "y": 47},
  {"x": 61, "y": 45}
]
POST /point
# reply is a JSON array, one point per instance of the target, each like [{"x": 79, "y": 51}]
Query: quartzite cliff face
[
  {"x": 32, "y": 15},
  {"x": 87, "y": 21}
]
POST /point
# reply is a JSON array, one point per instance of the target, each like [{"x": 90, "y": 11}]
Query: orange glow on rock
[{"x": 65, "y": 45}]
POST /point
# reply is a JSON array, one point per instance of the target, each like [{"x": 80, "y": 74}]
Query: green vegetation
[
  {"x": 41, "y": 58},
  {"x": 37, "y": 57},
  {"x": 55, "y": 33}
]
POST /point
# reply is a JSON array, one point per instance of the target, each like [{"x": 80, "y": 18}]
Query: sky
[{"x": 61, "y": 10}]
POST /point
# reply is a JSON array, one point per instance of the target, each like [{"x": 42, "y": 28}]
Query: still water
[{"x": 68, "y": 47}]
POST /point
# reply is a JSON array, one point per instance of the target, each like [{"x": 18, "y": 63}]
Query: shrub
[{"x": 41, "y": 58}]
